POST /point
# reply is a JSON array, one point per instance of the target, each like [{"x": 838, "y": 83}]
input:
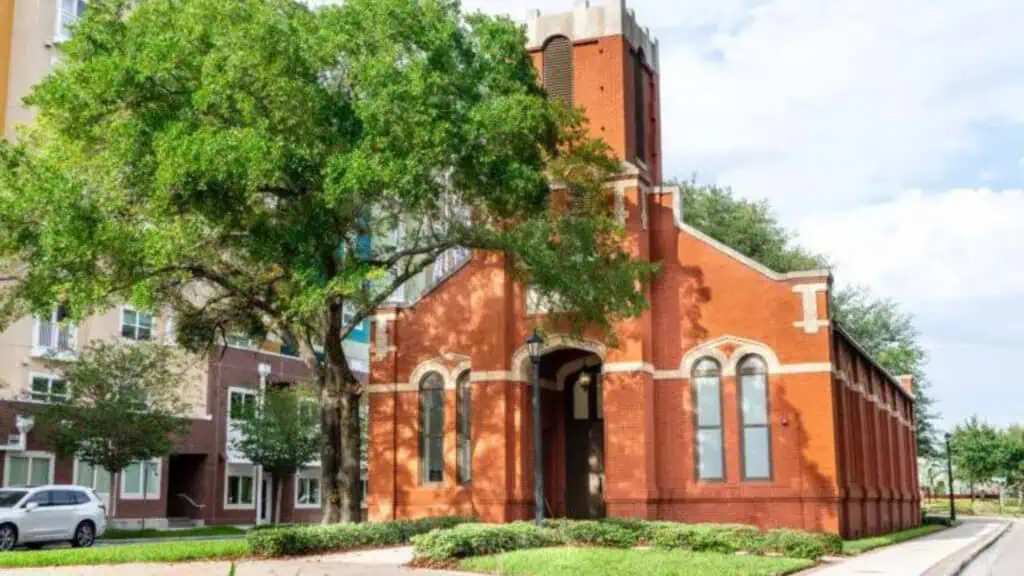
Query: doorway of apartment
[{"x": 185, "y": 491}]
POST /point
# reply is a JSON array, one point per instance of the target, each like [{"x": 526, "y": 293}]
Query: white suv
[{"x": 35, "y": 516}]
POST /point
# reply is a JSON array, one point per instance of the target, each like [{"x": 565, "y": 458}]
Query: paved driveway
[
  {"x": 1005, "y": 558},
  {"x": 371, "y": 563}
]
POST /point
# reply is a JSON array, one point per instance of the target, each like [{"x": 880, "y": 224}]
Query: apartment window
[
  {"x": 48, "y": 389},
  {"x": 307, "y": 488},
  {"x": 136, "y": 325},
  {"x": 68, "y": 13},
  {"x": 756, "y": 436},
  {"x": 137, "y": 474},
  {"x": 236, "y": 341},
  {"x": 239, "y": 492},
  {"x": 639, "y": 116},
  {"x": 90, "y": 476},
  {"x": 28, "y": 469},
  {"x": 558, "y": 69},
  {"x": 464, "y": 417},
  {"x": 432, "y": 428},
  {"x": 241, "y": 404},
  {"x": 707, "y": 392},
  {"x": 51, "y": 335}
]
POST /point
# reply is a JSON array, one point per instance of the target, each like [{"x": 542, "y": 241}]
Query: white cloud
[
  {"x": 818, "y": 105},
  {"x": 928, "y": 250}
]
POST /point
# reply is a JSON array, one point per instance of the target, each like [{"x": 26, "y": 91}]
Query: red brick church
[{"x": 734, "y": 398}]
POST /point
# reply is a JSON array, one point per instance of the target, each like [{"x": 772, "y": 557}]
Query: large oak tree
[{"x": 229, "y": 160}]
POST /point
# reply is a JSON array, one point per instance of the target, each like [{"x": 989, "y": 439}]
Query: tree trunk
[{"x": 339, "y": 418}]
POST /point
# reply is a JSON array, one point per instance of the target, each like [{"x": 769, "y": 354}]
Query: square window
[
  {"x": 709, "y": 454},
  {"x": 756, "y": 460}
]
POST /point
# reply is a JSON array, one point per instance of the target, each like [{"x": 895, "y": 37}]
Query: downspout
[{"x": 394, "y": 422}]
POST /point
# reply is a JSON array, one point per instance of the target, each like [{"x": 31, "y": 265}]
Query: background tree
[
  {"x": 1012, "y": 458},
  {"x": 281, "y": 434},
  {"x": 124, "y": 406},
  {"x": 886, "y": 331},
  {"x": 229, "y": 161},
  {"x": 976, "y": 448}
]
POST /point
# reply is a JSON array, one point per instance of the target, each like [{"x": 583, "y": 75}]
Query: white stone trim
[
  {"x": 620, "y": 367},
  {"x": 744, "y": 347},
  {"x": 521, "y": 357},
  {"x": 391, "y": 388},
  {"x": 677, "y": 213},
  {"x": 809, "y": 298},
  {"x": 586, "y": 21}
]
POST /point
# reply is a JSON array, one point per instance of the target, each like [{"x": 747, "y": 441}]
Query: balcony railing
[{"x": 55, "y": 339}]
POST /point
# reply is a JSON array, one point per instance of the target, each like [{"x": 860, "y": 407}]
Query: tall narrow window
[
  {"x": 639, "y": 118},
  {"x": 432, "y": 428},
  {"x": 707, "y": 392},
  {"x": 756, "y": 436},
  {"x": 464, "y": 415},
  {"x": 558, "y": 70}
]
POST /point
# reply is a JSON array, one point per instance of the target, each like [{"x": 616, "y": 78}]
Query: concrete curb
[
  {"x": 125, "y": 541},
  {"x": 958, "y": 567}
]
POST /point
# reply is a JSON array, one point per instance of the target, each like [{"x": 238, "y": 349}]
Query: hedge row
[
  {"x": 481, "y": 539},
  {"x": 297, "y": 540}
]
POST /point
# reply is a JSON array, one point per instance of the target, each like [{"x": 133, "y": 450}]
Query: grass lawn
[
  {"x": 608, "y": 562},
  {"x": 853, "y": 547},
  {"x": 157, "y": 552},
  {"x": 115, "y": 534}
]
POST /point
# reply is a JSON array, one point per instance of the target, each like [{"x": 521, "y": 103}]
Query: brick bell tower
[{"x": 598, "y": 58}]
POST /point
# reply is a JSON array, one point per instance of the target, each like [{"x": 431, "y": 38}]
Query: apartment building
[{"x": 205, "y": 480}]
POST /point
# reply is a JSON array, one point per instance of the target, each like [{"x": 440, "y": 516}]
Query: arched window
[
  {"x": 707, "y": 401},
  {"x": 639, "y": 117},
  {"x": 432, "y": 428},
  {"x": 754, "y": 422},
  {"x": 558, "y": 70},
  {"x": 463, "y": 417}
]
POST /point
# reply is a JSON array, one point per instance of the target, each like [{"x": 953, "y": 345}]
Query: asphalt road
[{"x": 1004, "y": 558}]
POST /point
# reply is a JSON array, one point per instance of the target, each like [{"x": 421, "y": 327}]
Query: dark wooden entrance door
[{"x": 584, "y": 445}]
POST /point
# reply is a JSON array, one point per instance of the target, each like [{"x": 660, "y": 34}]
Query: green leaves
[
  {"x": 125, "y": 404},
  {"x": 283, "y": 433}
]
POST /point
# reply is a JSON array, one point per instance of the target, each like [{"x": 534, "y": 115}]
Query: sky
[{"x": 888, "y": 134}]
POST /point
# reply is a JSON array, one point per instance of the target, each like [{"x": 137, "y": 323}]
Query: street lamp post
[
  {"x": 533, "y": 346},
  {"x": 949, "y": 480},
  {"x": 264, "y": 372}
]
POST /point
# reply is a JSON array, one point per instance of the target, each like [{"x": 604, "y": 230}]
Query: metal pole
[
  {"x": 949, "y": 480},
  {"x": 538, "y": 447}
]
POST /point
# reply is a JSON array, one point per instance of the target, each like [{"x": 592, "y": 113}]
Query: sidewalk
[{"x": 914, "y": 558}]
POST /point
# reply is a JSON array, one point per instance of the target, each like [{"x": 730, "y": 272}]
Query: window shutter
[{"x": 558, "y": 71}]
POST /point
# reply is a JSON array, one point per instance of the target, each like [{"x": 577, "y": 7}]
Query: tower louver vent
[{"x": 558, "y": 69}]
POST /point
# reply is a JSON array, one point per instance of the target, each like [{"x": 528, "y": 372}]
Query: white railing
[
  {"x": 449, "y": 261},
  {"x": 54, "y": 338}
]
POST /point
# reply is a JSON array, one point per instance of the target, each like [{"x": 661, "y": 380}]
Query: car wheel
[
  {"x": 85, "y": 535},
  {"x": 8, "y": 537}
]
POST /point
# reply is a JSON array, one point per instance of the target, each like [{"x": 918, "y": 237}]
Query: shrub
[
  {"x": 591, "y": 533},
  {"x": 797, "y": 544},
  {"x": 481, "y": 539},
  {"x": 296, "y": 540},
  {"x": 724, "y": 538}
]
